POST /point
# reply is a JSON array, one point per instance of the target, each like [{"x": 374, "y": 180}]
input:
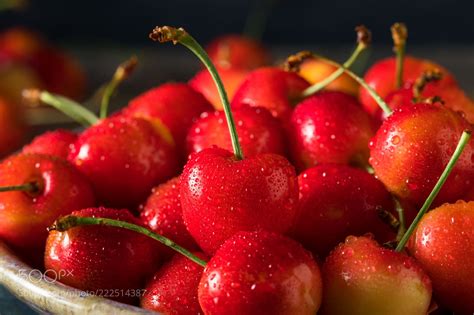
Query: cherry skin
[
  {"x": 101, "y": 259},
  {"x": 330, "y": 127},
  {"x": 258, "y": 130},
  {"x": 15, "y": 78},
  {"x": 124, "y": 158},
  {"x": 272, "y": 88},
  {"x": 381, "y": 77},
  {"x": 412, "y": 147},
  {"x": 13, "y": 128},
  {"x": 175, "y": 105},
  {"x": 232, "y": 78},
  {"x": 221, "y": 195},
  {"x": 163, "y": 214},
  {"x": 56, "y": 143},
  {"x": 173, "y": 289},
  {"x": 361, "y": 277},
  {"x": 26, "y": 47},
  {"x": 337, "y": 201},
  {"x": 260, "y": 273},
  {"x": 24, "y": 216},
  {"x": 443, "y": 243},
  {"x": 315, "y": 70},
  {"x": 237, "y": 51}
]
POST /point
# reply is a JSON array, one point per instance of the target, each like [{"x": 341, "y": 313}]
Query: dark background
[{"x": 290, "y": 22}]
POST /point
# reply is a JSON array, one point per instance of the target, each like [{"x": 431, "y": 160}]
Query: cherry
[
  {"x": 175, "y": 105},
  {"x": 38, "y": 189},
  {"x": 322, "y": 131},
  {"x": 412, "y": 147},
  {"x": 231, "y": 77},
  {"x": 237, "y": 51},
  {"x": 102, "y": 260},
  {"x": 258, "y": 130},
  {"x": 260, "y": 273},
  {"x": 13, "y": 127},
  {"x": 163, "y": 214},
  {"x": 336, "y": 201},
  {"x": 124, "y": 158},
  {"x": 16, "y": 77},
  {"x": 361, "y": 277},
  {"x": 56, "y": 143},
  {"x": 443, "y": 244},
  {"x": 173, "y": 289}
]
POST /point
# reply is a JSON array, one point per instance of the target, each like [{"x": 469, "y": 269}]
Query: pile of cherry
[{"x": 302, "y": 199}]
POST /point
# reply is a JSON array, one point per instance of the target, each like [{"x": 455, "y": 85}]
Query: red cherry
[
  {"x": 260, "y": 273},
  {"x": 382, "y": 78},
  {"x": 412, "y": 147},
  {"x": 330, "y": 127},
  {"x": 237, "y": 51},
  {"x": 337, "y": 201},
  {"x": 443, "y": 243},
  {"x": 173, "y": 289},
  {"x": 361, "y": 277},
  {"x": 272, "y": 88},
  {"x": 231, "y": 77},
  {"x": 221, "y": 195},
  {"x": 56, "y": 143},
  {"x": 258, "y": 130},
  {"x": 124, "y": 158},
  {"x": 175, "y": 105},
  {"x": 58, "y": 189},
  {"x": 102, "y": 260},
  {"x": 13, "y": 127},
  {"x": 163, "y": 214}
]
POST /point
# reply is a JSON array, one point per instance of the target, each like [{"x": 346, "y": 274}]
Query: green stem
[
  {"x": 399, "y": 36},
  {"x": 257, "y": 18},
  {"x": 70, "y": 221},
  {"x": 121, "y": 73},
  {"x": 466, "y": 135},
  {"x": 166, "y": 34},
  {"x": 29, "y": 187}
]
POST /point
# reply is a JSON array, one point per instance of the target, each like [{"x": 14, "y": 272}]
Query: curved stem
[
  {"x": 399, "y": 36},
  {"x": 29, "y": 187},
  {"x": 425, "y": 78},
  {"x": 166, "y": 34},
  {"x": 65, "y": 105},
  {"x": 121, "y": 73},
  {"x": 70, "y": 221},
  {"x": 466, "y": 135}
]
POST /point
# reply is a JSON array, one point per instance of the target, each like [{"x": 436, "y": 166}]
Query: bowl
[{"x": 47, "y": 295}]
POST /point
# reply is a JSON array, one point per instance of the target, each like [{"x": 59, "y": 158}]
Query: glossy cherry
[
  {"x": 221, "y": 195},
  {"x": 237, "y": 51},
  {"x": 231, "y": 77},
  {"x": 124, "y": 158},
  {"x": 443, "y": 243},
  {"x": 258, "y": 130},
  {"x": 57, "y": 189},
  {"x": 103, "y": 260},
  {"x": 361, "y": 277},
  {"x": 329, "y": 127},
  {"x": 337, "y": 201},
  {"x": 175, "y": 105},
  {"x": 163, "y": 214},
  {"x": 57, "y": 143},
  {"x": 412, "y": 147},
  {"x": 174, "y": 288},
  {"x": 260, "y": 273}
]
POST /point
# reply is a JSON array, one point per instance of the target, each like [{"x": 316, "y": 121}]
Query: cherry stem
[
  {"x": 388, "y": 219},
  {"x": 122, "y": 72},
  {"x": 399, "y": 36},
  {"x": 466, "y": 135},
  {"x": 65, "y": 105},
  {"x": 425, "y": 78},
  {"x": 257, "y": 18},
  {"x": 29, "y": 187},
  {"x": 363, "y": 42},
  {"x": 70, "y": 221},
  {"x": 179, "y": 35},
  {"x": 401, "y": 219}
]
